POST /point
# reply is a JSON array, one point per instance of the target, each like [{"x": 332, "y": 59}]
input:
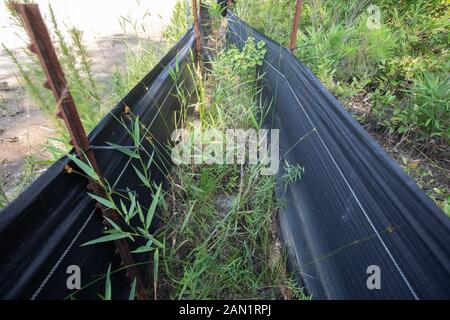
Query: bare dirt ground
[{"x": 24, "y": 129}]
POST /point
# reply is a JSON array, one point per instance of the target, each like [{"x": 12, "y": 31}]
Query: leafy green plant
[
  {"x": 292, "y": 174},
  {"x": 241, "y": 62},
  {"x": 215, "y": 10},
  {"x": 429, "y": 110},
  {"x": 28, "y": 174}
]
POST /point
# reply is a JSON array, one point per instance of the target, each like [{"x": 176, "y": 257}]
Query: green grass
[
  {"x": 30, "y": 170},
  {"x": 292, "y": 174},
  {"x": 3, "y": 199},
  {"x": 400, "y": 68},
  {"x": 217, "y": 235},
  {"x": 222, "y": 243}
]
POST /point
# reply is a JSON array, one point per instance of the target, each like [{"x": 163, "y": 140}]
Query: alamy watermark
[
  {"x": 74, "y": 279},
  {"x": 374, "y": 280},
  {"x": 231, "y": 146},
  {"x": 374, "y": 18}
]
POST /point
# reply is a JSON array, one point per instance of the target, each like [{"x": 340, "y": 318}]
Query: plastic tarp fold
[{"x": 354, "y": 207}]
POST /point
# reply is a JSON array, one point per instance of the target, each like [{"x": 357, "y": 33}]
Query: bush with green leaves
[
  {"x": 427, "y": 113},
  {"x": 242, "y": 61},
  {"x": 236, "y": 74},
  {"x": 396, "y": 65}
]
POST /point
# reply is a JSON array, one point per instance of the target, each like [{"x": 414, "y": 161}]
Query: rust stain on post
[
  {"x": 298, "y": 10},
  {"x": 42, "y": 46},
  {"x": 198, "y": 36}
]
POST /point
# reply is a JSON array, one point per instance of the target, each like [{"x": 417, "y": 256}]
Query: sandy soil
[{"x": 24, "y": 129}]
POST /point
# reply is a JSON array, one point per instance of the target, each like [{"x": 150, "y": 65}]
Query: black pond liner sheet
[{"x": 354, "y": 207}]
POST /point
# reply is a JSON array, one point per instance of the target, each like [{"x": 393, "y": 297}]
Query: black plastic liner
[
  {"x": 42, "y": 230},
  {"x": 354, "y": 206}
]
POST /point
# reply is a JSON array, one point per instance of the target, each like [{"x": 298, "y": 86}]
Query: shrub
[{"x": 428, "y": 110}]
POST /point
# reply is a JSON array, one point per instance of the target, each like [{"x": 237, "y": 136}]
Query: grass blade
[
  {"x": 151, "y": 210},
  {"x": 108, "y": 284},
  {"x": 133, "y": 290},
  {"x": 188, "y": 215},
  {"x": 142, "y": 177},
  {"x": 136, "y": 132},
  {"x": 87, "y": 169},
  {"x": 124, "y": 150},
  {"x": 107, "y": 238},
  {"x": 155, "y": 271},
  {"x": 103, "y": 201}
]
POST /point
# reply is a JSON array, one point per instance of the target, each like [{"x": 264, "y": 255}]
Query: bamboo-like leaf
[
  {"x": 133, "y": 290},
  {"x": 131, "y": 211},
  {"x": 156, "y": 241},
  {"x": 188, "y": 215},
  {"x": 124, "y": 208},
  {"x": 136, "y": 132},
  {"x": 124, "y": 150},
  {"x": 155, "y": 270},
  {"x": 55, "y": 150},
  {"x": 87, "y": 169},
  {"x": 150, "y": 237},
  {"x": 152, "y": 209},
  {"x": 108, "y": 284},
  {"x": 114, "y": 225},
  {"x": 103, "y": 201},
  {"x": 142, "y": 249},
  {"x": 107, "y": 238},
  {"x": 142, "y": 177},
  {"x": 150, "y": 160},
  {"x": 141, "y": 213}
]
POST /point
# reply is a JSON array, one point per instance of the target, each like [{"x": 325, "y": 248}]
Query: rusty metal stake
[
  {"x": 198, "y": 36},
  {"x": 298, "y": 10},
  {"x": 42, "y": 46}
]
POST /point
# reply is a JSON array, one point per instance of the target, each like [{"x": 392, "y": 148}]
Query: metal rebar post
[{"x": 298, "y": 10}]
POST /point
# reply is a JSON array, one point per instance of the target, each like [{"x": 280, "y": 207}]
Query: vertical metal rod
[
  {"x": 298, "y": 10},
  {"x": 42, "y": 46},
  {"x": 198, "y": 37}
]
